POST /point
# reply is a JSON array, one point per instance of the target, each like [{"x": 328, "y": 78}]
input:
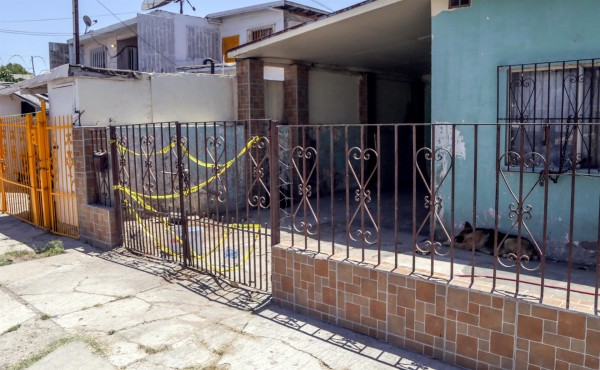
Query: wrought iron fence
[
  {"x": 469, "y": 207},
  {"x": 197, "y": 194}
]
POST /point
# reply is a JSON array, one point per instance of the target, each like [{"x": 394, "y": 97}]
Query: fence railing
[
  {"x": 469, "y": 207},
  {"x": 100, "y": 156},
  {"x": 472, "y": 208}
]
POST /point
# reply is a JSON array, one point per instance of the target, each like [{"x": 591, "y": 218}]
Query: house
[
  {"x": 19, "y": 103},
  {"x": 466, "y": 110},
  {"x": 161, "y": 41}
]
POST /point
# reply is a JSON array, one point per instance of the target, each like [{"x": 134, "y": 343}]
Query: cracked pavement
[{"x": 147, "y": 314}]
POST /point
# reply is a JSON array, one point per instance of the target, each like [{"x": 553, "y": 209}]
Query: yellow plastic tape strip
[
  {"x": 139, "y": 196},
  {"x": 124, "y": 149}
]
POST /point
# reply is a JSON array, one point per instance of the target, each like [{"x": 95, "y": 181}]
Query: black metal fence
[
  {"x": 198, "y": 194},
  {"x": 472, "y": 207},
  {"x": 103, "y": 184}
]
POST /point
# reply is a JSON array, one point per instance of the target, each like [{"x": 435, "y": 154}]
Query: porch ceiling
[{"x": 383, "y": 35}]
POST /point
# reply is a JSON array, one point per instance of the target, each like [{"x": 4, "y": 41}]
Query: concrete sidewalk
[{"x": 90, "y": 310}]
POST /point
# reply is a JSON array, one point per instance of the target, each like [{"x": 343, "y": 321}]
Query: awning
[{"x": 381, "y": 35}]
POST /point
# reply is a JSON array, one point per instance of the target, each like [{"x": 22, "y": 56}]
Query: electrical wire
[
  {"x": 33, "y": 33},
  {"x": 322, "y": 5},
  {"x": 58, "y": 19}
]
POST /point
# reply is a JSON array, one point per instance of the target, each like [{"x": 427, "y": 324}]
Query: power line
[
  {"x": 323, "y": 5},
  {"x": 58, "y": 19},
  {"x": 33, "y": 33}
]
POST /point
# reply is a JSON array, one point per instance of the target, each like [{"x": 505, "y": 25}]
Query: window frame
[
  {"x": 571, "y": 87},
  {"x": 95, "y": 56},
  {"x": 251, "y": 31},
  {"x": 461, "y": 4}
]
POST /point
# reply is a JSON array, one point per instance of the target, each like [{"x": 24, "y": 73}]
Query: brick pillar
[
  {"x": 97, "y": 224},
  {"x": 251, "y": 89},
  {"x": 363, "y": 98},
  {"x": 295, "y": 94}
]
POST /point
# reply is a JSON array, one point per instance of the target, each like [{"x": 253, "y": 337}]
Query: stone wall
[{"x": 460, "y": 326}]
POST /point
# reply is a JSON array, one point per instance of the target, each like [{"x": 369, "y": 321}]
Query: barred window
[
  {"x": 459, "y": 3},
  {"x": 98, "y": 57},
  {"x": 259, "y": 33},
  {"x": 563, "y": 96}
]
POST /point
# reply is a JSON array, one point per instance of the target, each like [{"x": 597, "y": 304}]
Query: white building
[{"x": 165, "y": 42}]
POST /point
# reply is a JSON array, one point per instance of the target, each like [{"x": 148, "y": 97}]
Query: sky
[{"x": 27, "y": 26}]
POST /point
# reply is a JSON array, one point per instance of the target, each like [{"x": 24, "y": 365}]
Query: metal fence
[
  {"x": 197, "y": 194},
  {"x": 470, "y": 207}
]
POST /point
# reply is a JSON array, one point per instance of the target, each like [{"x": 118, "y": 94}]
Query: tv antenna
[{"x": 153, "y": 4}]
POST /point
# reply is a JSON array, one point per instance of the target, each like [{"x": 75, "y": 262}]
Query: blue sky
[{"x": 26, "y": 26}]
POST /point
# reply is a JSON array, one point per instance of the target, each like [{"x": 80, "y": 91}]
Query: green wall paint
[{"x": 467, "y": 46}]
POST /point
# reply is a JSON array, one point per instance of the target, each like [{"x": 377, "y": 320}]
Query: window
[
  {"x": 259, "y": 33},
  {"x": 98, "y": 57},
  {"x": 459, "y": 4},
  {"x": 564, "y": 95}
]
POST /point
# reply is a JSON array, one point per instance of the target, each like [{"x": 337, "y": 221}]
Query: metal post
[
  {"x": 184, "y": 223},
  {"x": 44, "y": 158},
  {"x": 114, "y": 163},
  {"x": 274, "y": 181},
  {"x": 32, "y": 169},
  {"x": 76, "y": 30}
]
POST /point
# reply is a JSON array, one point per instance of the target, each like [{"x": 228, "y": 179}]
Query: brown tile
[
  {"x": 434, "y": 325},
  {"x": 488, "y": 358},
  {"x": 577, "y": 345},
  {"x": 329, "y": 296},
  {"x": 550, "y": 326},
  {"x": 406, "y": 297},
  {"x": 458, "y": 299},
  {"x": 424, "y": 338},
  {"x": 569, "y": 356},
  {"x": 521, "y": 360},
  {"x": 561, "y": 365},
  {"x": 510, "y": 309},
  {"x": 396, "y": 325},
  {"x": 545, "y": 313},
  {"x": 530, "y": 328},
  {"x": 466, "y": 346},
  {"x": 466, "y": 362},
  {"x": 490, "y": 318},
  {"x": 542, "y": 355},
  {"x": 571, "y": 324},
  {"x": 352, "y": 312},
  {"x": 556, "y": 340},
  {"x": 497, "y": 302},
  {"x": 451, "y": 331},
  {"x": 501, "y": 344},
  {"x": 592, "y": 346},
  {"x": 592, "y": 362},
  {"x": 467, "y": 318},
  {"x": 368, "y": 288},
  {"x": 425, "y": 291},
  {"x": 377, "y": 310},
  {"x": 321, "y": 267},
  {"x": 344, "y": 272},
  {"x": 287, "y": 284},
  {"x": 522, "y": 344},
  {"x": 480, "y": 298}
]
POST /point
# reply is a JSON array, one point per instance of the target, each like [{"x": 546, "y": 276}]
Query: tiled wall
[
  {"x": 460, "y": 326},
  {"x": 97, "y": 224}
]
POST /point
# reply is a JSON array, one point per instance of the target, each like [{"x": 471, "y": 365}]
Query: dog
[{"x": 483, "y": 239}]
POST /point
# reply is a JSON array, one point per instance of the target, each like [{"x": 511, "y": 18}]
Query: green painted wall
[{"x": 467, "y": 46}]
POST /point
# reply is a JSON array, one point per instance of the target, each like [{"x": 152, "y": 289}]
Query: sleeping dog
[{"x": 484, "y": 242}]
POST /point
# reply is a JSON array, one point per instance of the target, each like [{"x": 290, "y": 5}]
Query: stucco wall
[
  {"x": 193, "y": 98},
  {"x": 274, "y": 100},
  {"x": 159, "y": 98},
  {"x": 332, "y": 97},
  {"x": 467, "y": 46},
  {"x": 9, "y": 105}
]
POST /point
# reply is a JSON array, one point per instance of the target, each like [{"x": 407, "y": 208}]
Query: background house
[{"x": 162, "y": 41}]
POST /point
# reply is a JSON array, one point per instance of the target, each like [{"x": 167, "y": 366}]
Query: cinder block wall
[
  {"x": 97, "y": 224},
  {"x": 457, "y": 325}
]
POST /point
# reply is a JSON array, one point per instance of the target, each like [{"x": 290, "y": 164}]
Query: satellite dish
[
  {"x": 153, "y": 4},
  {"x": 88, "y": 22}
]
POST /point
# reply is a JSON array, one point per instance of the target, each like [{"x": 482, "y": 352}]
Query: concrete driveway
[{"x": 90, "y": 310}]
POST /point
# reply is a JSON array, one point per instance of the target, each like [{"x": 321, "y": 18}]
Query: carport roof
[{"x": 377, "y": 35}]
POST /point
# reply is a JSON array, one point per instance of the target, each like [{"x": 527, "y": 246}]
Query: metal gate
[
  {"x": 197, "y": 194},
  {"x": 37, "y": 180}
]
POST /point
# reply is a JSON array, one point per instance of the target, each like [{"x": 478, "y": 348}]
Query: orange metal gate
[{"x": 37, "y": 180}]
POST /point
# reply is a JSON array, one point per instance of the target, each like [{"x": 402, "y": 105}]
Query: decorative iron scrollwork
[{"x": 367, "y": 233}]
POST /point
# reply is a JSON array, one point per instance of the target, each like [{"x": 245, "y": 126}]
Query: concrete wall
[
  {"x": 468, "y": 44},
  {"x": 109, "y": 43},
  {"x": 159, "y": 98},
  {"x": 464, "y": 327},
  {"x": 333, "y": 97},
  {"x": 9, "y": 105}
]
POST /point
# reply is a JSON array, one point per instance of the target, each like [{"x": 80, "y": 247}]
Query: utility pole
[
  {"x": 32, "y": 66},
  {"x": 76, "y": 30}
]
